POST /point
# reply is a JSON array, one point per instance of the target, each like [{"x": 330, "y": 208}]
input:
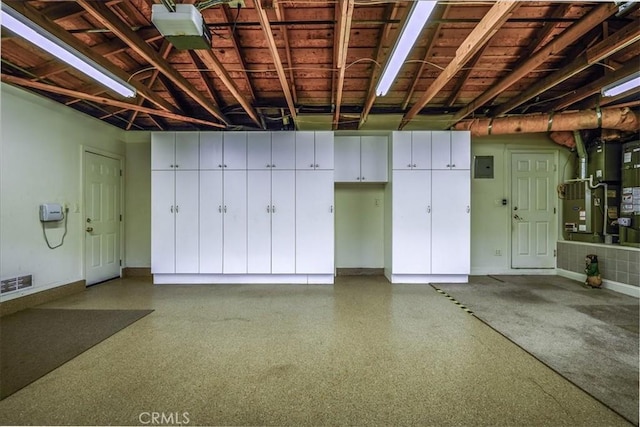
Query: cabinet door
[
  {"x": 235, "y": 222},
  {"x": 283, "y": 222},
  {"x": 314, "y": 222},
  {"x": 411, "y": 222},
  {"x": 450, "y": 241},
  {"x": 187, "y": 150},
  {"x": 324, "y": 150},
  {"x": 259, "y": 221},
  {"x": 347, "y": 159},
  {"x": 211, "y": 221},
  {"x": 163, "y": 150},
  {"x": 283, "y": 150},
  {"x": 259, "y": 150},
  {"x": 373, "y": 158},
  {"x": 187, "y": 212},
  {"x": 441, "y": 149},
  {"x": 162, "y": 222},
  {"x": 401, "y": 150},
  {"x": 305, "y": 150},
  {"x": 211, "y": 150},
  {"x": 461, "y": 150},
  {"x": 421, "y": 149},
  {"x": 235, "y": 151}
]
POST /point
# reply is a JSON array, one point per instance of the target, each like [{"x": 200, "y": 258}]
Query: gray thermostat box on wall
[{"x": 483, "y": 167}]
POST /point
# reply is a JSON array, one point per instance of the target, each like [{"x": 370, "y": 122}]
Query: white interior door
[
  {"x": 102, "y": 222},
  {"x": 259, "y": 222},
  {"x": 283, "y": 222},
  {"x": 211, "y": 216},
  {"x": 532, "y": 215},
  {"x": 235, "y": 222}
]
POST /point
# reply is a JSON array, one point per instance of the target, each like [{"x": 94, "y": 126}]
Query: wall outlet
[{"x": 498, "y": 252}]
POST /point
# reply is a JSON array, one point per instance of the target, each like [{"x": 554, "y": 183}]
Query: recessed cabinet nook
[{"x": 258, "y": 207}]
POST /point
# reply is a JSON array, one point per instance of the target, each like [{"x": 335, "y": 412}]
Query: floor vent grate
[{"x": 16, "y": 283}]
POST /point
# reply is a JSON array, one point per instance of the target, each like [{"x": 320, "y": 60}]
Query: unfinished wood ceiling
[{"x": 272, "y": 62}]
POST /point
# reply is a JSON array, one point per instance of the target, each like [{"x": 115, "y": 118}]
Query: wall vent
[{"x": 16, "y": 283}]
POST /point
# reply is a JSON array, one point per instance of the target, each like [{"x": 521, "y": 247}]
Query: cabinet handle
[
  {"x": 428, "y": 209},
  {"x": 268, "y": 209},
  {"x": 409, "y": 165},
  {"x": 171, "y": 209},
  {"x": 273, "y": 209},
  {"x": 225, "y": 209},
  {"x": 358, "y": 178},
  {"x": 363, "y": 178},
  {"x": 311, "y": 165},
  {"x": 453, "y": 166},
  {"x": 414, "y": 165},
  {"x": 448, "y": 166},
  {"x": 219, "y": 166},
  {"x": 220, "y": 208},
  {"x": 170, "y": 166},
  {"x": 177, "y": 166},
  {"x": 273, "y": 166},
  {"x": 268, "y": 166},
  {"x": 468, "y": 208},
  {"x": 225, "y": 166},
  {"x": 317, "y": 166},
  {"x": 331, "y": 209}
]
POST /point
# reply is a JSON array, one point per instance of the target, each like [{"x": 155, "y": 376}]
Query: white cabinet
[
  {"x": 451, "y": 150},
  {"x": 283, "y": 150},
  {"x": 314, "y": 222},
  {"x": 361, "y": 159},
  {"x": 270, "y": 150},
  {"x": 411, "y": 222},
  {"x": 259, "y": 150},
  {"x": 411, "y": 150},
  {"x": 314, "y": 150},
  {"x": 234, "y": 154},
  {"x": 174, "y": 223},
  {"x": 234, "y": 210},
  {"x": 259, "y": 221},
  {"x": 210, "y": 150},
  {"x": 450, "y": 240},
  {"x": 171, "y": 150},
  {"x": 283, "y": 222},
  {"x": 211, "y": 220}
]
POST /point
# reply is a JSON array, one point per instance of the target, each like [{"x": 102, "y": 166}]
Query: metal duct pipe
[
  {"x": 582, "y": 155},
  {"x": 607, "y": 118}
]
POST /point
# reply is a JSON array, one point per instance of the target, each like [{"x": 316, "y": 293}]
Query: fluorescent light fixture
[
  {"x": 417, "y": 18},
  {"x": 21, "y": 26},
  {"x": 623, "y": 85}
]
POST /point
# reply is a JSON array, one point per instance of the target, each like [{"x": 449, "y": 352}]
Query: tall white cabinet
[
  {"x": 430, "y": 212},
  {"x": 242, "y": 207}
]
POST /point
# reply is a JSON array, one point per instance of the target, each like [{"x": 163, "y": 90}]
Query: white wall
[
  {"x": 40, "y": 159},
  {"x": 359, "y": 225}
]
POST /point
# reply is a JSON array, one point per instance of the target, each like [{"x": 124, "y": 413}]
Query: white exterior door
[
  {"x": 283, "y": 222},
  {"x": 373, "y": 158},
  {"x": 411, "y": 222},
  {"x": 235, "y": 222},
  {"x": 347, "y": 159},
  {"x": 163, "y": 237},
  {"x": 211, "y": 216},
  {"x": 314, "y": 222},
  {"x": 186, "y": 215},
  {"x": 450, "y": 222},
  {"x": 102, "y": 225},
  {"x": 532, "y": 215},
  {"x": 259, "y": 221}
]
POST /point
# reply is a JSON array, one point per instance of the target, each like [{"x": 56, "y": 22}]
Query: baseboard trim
[
  {"x": 359, "y": 271},
  {"x": 622, "y": 288},
  {"x": 21, "y": 303},
  {"x": 136, "y": 272}
]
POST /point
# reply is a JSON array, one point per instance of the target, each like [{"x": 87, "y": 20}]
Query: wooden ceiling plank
[
  {"x": 280, "y": 15},
  {"x": 273, "y": 48},
  {"x": 212, "y": 63},
  {"x": 344, "y": 30},
  {"x": 595, "y": 86},
  {"x": 479, "y": 36},
  {"x": 432, "y": 43},
  {"x": 110, "y": 20},
  {"x": 570, "y": 35},
  {"x": 391, "y": 13},
  {"x": 612, "y": 44},
  {"x": 545, "y": 32},
  {"x": 102, "y": 100},
  {"x": 462, "y": 80},
  {"x": 236, "y": 47},
  {"x": 69, "y": 39}
]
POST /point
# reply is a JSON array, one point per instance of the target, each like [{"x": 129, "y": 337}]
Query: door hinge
[
  {"x": 121, "y": 216},
  {"x": 120, "y": 172},
  {"x": 554, "y": 210},
  {"x": 120, "y": 263},
  {"x": 555, "y": 168},
  {"x": 555, "y": 253}
]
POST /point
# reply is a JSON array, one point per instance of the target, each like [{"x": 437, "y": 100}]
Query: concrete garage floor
[
  {"x": 590, "y": 336},
  {"x": 360, "y": 352}
]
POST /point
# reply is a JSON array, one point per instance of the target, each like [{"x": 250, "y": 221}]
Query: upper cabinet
[
  {"x": 451, "y": 150},
  {"x": 271, "y": 150},
  {"x": 411, "y": 150},
  {"x": 259, "y": 150},
  {"x": 361, "y": 159},
  {"x": 234, "y": 153},
  {"x": 314, "y": 150},
  {"x": 211, "y": 150},
  {"x": 175, "y": 150}
]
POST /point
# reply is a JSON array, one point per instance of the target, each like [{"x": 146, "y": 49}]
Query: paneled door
[
  {"x": 533, "y": 210},
  {"x": 102, "y": 217}
]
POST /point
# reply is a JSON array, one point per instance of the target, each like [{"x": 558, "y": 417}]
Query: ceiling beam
[
  {"x": 545, "y": 32},
  {"x": 432, "y": 42},
  {"x": 199, "y": 66},
  {"x": 462, "y": 80},
  {"x": 102, "y": 100},
  {"x": 612, "y": 44},
  {"x": 109, "y": 19},
  {"x": 491, "y": 22},
  {"x": 570, "y": 35},
  {"x": 595, "y": 86},
  {"x": 392, "y": 11},
  {"x": 273, "y": 48},
  {"x": 343, "y": 28},
  {"x": 280, "y": 15},
  {"x": 226, "y": 15},
  {"x": 59, "y": 32}
]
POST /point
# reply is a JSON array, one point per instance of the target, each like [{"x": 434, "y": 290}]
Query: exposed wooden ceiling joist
[
  {"x": 233, "y": 36},
  {"x": 345, "y": 11},
  {"x": 480, "y": 35},
  {"x": 280, "y": 15}
]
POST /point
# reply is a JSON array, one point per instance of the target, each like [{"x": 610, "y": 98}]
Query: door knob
[{"x": 89, "y": 229}]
